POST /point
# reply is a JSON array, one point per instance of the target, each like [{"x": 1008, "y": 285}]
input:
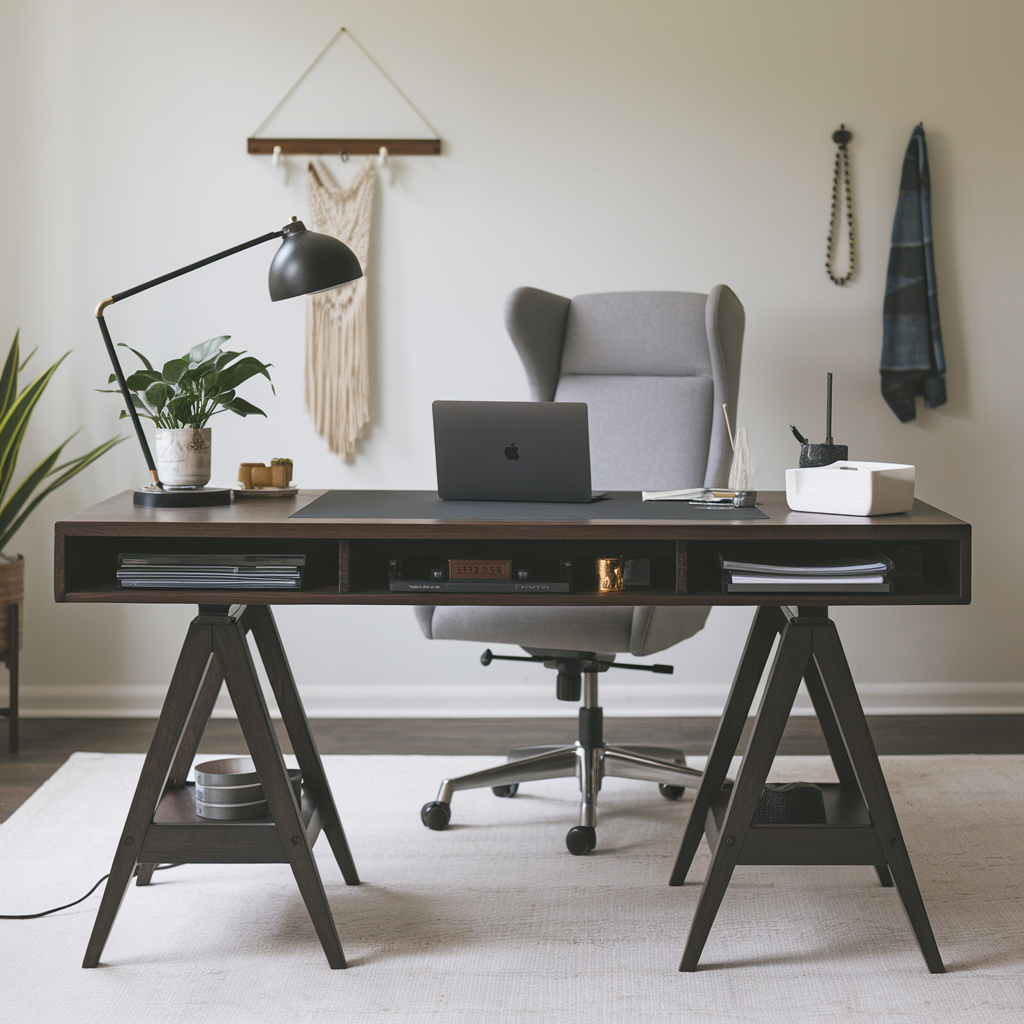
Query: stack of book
[
  {"x": 210, "y": 572},
  {"x": 867, "y": 573}
]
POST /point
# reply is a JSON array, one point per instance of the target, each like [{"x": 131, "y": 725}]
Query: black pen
[{"x": 800, "y": 437}]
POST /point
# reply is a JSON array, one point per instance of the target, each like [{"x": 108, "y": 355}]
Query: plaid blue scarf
[{"x": 913, "y": 362}]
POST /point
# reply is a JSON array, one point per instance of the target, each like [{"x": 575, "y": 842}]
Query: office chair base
[
  {"x": 663, "y": 765},
  {"x": 589, "y": 759}
]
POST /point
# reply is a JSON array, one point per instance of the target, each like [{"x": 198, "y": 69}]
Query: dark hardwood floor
[{"x": 47, "y": 742}]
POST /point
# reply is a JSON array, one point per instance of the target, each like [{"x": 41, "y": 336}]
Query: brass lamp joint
[{"x": 102, "y": 306}]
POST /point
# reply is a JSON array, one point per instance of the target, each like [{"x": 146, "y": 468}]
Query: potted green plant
[
  {"x": 182, "y": 397},
  {"x": 16, "y": 408}
]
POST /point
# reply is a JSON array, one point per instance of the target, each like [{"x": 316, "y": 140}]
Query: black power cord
[{"x": 44, "y": 913}]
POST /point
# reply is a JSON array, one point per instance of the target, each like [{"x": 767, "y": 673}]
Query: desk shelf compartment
[
  {"x": 847, "y": 837},
  {"x": 178, "y": 835},
  {"x": 945, "y": 579},
  {"x": 369, "y": 561},
  {"x": 87, "y": 566}
]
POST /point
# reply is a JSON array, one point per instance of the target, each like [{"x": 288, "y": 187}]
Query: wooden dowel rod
[{"x": 317, "y": 147}]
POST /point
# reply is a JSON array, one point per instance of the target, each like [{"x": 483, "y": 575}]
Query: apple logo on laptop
[{"x": 512, "y": 452}]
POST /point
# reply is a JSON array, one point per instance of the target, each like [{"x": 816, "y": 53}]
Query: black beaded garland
[{"x": 841, "y": 138}]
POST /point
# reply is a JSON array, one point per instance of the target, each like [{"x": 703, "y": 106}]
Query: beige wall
[{"x": 588, "y": 147}]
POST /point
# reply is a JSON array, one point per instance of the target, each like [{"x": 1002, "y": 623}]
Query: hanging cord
[
  {"x": 44, "y": 913},
  {"x": 317, "y": 59},
  {"x": 841, "y": 138}
]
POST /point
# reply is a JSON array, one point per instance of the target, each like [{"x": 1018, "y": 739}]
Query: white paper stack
[
  {"x": 210, "y": 572},
  {"x": 869, "y": 573}
]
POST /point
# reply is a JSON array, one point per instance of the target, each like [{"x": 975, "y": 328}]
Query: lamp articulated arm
[
  {"x": 306, "y": 262},
  {"x": 112, "y": 354}
]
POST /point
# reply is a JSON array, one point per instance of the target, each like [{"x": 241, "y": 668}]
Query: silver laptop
[{"x": 512, "y": 451}]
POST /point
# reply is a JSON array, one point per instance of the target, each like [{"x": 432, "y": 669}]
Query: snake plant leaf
[
  {"x": 70, "y": 469},
  {"x": 24, "y": 490},
  {"x": 145, "y": 362},
  {"x": 204, "y": 350},
  {"x": 9, "y": 377},
  {"x": 24, "y": 361},
  {"x": 174, "y": 369},
  {"x": 243, "y": 408},
  {"x": 15, "y": 422}
]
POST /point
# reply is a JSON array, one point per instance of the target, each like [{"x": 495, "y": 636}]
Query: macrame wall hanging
[
  {"x": 337, "y": 344},
  {"x": 840, "y": 190},
  {"x": 337, "y": 347}
]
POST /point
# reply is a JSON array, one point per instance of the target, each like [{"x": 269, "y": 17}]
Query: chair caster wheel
[
  {"x": 505, "y": 790},
  {"x": 671, "y": 792},
  {"x": 436, "y": 815},
  {"x": 580, "y": 839}
]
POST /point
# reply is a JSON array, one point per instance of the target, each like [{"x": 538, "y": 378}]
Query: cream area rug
[{"x": 493, "y": 921}]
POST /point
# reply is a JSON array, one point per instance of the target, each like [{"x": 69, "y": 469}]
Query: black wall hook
[{"x": 842, "y": 137}]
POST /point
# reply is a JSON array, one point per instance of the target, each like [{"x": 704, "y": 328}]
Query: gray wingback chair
[{"x": 655, "y": 369}]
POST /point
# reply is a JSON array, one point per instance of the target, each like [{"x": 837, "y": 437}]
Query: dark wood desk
[{"x": 347, "y": 562}]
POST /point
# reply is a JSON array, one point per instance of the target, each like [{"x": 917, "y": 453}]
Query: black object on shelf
[
  {"x": 816, "y": 455},
  {"x": 794, "y": 803},
  {"x": 524, "y": 576}
]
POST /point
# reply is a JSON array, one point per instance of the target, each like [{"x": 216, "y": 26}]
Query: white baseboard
[{"x": 534, "y": 700}]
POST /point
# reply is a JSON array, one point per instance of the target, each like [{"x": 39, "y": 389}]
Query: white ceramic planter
[{"x": 183, "y": 457}]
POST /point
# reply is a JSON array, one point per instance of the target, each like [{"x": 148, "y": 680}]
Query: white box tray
[{"x": 852, "y": 488}]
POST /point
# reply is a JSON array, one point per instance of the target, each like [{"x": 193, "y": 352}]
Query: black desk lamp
[{"x": 306, "y": 262}]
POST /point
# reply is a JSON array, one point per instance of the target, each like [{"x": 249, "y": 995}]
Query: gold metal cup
[{"x": 611, "y": 575}]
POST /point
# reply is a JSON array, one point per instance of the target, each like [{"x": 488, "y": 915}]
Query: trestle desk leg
[
  {"x": 178, "y": 705},
  {"x": 787, "y": 670},
  {"x": 768, "y": 621},
  {"x": 233, "y": 653}
]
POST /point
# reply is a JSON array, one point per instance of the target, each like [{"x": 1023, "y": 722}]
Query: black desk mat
[{"x": 412, "y": 505}]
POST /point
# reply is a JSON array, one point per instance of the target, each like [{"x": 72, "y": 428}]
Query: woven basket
[{"x": 12, "y": 589}]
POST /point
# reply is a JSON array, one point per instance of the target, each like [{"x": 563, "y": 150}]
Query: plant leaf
[
  {"x": 203, "y": 351},
  {"x": 141, "y": 379},
  {"x": 145, "y": 362},
  {"x": 243, "y": 408},
  {"x": 232, "y": 376},
  {"x": 173, "y": 370},
  {"x": 15, "y": 422},
  {"x": 74, "y": 468},
  {"x": 24, "y": 490},
  {"x": 24, "y": 361},
  {"x": 9, "y": 377},
  {"x": 157, "y": 394},
  {"x": 225, "y": 357}
]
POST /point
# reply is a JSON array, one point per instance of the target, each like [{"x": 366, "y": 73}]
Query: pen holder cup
[
  {"x": 611, "y": 575},
  {"x": 815, "y": 455}
]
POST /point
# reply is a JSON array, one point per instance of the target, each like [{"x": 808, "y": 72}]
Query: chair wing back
[{"x": 654, "y": 369}]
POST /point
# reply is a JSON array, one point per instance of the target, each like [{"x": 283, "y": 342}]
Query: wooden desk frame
[{"x": 348, "y": 560}]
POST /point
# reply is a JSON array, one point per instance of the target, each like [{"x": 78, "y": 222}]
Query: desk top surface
[{"x": 408, "y": 513}]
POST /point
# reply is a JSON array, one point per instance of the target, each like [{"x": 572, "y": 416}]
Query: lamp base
[{"x": 155, "y": 497}]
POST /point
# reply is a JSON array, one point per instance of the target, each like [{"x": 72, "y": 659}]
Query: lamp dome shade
[{"x": 309, "y": 261}]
